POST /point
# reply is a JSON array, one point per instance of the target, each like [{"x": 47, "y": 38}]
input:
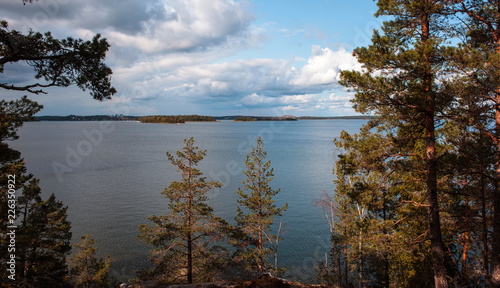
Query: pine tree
[
  {"x": 468, "y": 201},
  {"x": 186, "y": 240},
  {"x": 401, "y": 83},
  {"x": 86, "y": 270},
  {"x": 256, "y": 211},
  {"x": 476, "y": 63},
  {"x": 379, "y": 230},
  {"x": 44, "y": 241},
  {"x": 43, "y": 232}
]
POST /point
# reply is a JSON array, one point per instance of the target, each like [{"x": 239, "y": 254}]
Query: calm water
[{"x": 111, "y": 175}]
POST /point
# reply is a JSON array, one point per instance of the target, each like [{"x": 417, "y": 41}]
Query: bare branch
[{"x": 27, "y": 88}]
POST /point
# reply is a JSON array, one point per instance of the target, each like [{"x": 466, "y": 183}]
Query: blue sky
[{"x": 218, "y": 57}]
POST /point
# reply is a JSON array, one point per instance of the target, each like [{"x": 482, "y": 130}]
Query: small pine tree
[
  {"x": 256, "y": 212},
  {"x": 86, "y": 270},
  {"x": 44, "y": 241},
  {"x": 186, "y": 240}
]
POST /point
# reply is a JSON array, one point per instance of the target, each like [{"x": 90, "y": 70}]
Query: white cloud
[
  {"x": 198, "y": 78},
  {"x": 189, "y": 25},
  {"x": 256, "y": 99},
  {"x": 324, "y": 65},
  {"x": 290, "y": 108},
  {"x": 297, "y": 99}
]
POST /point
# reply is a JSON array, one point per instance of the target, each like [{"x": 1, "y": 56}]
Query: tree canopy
[
  {"x": 57, "y": 62},
  {"x": 418, "y": 186},
  {"x": 257, "y": 212},
  {"x": 186, "y": 241},
  {"x": 43, "y": 232}
]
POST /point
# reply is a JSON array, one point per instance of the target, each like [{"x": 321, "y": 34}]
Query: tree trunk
[
  {"x": 437, "y": 250},
  {"x": 495, "y": 255},
  {"x": 387, "y": 265},
  {"x": 260, "y": 246},
  {"x": 465, "y": 254},
  {"x": 189, "y": 258},
  {"x": 189, "y": 229},
  {"x": 486, "y": 248}
]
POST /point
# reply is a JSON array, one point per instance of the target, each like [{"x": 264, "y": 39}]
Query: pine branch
[{"x": 28, "y": 88}]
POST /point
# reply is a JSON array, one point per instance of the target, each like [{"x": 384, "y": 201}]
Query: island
[
  {"x": 245, "y": 119},
  {"x": 179, "y": 119},
  {"x": 266, "y": 118}
]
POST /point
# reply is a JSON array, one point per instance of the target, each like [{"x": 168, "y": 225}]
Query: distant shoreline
[{"x": 137, "y": 118}]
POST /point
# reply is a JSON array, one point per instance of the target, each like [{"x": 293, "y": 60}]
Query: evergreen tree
[
  {"x": 402, "y": 83},
  {"x": 438, "y": 110},
  {"x": 256, "y": 211},
  {"x": 476, "y": 63},
  {"x": 44, "y": 241},
  {"x": 12, "y": 116},
  {"x": 42, "y": 238},
  {"x": 43, "y": 232},
  {"x": 379, "y": 233},
  {"x": 468, "y": 201},
  {"x": 186, "y": 240},
  {"x": 86, "y": 270}
]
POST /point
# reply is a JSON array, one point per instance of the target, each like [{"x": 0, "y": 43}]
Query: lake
[{"x": 111, "y": 175}]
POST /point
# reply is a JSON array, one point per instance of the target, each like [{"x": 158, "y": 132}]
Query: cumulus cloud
[
  {"x": 255, "y": 83},
  {"x": 188, "y": 25},
  {"x": 151, "y": 26},
  {"x": 324, "y": 65}
]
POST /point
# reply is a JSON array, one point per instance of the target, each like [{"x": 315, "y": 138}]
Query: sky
[{"x": 217, "y": 57}]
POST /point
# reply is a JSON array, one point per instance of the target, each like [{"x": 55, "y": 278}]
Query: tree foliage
[
  {"x": 475, "y": 64},
  {"x": 44, "y": 240},
  {"x": 256, "y": 212},
  {"x": 407, "y": 94},
  {"x": 416, "y": 187},
  {"x": 186, "y": 241},
  {"x": 57, "y": 62},
  {"x": 86, "y": 270},
  {"x": 42, "y": 231}
]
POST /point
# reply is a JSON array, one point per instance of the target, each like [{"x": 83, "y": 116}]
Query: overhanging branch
[{"x": 28, "y": 88}]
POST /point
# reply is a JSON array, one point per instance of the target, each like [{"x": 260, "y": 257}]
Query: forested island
[
  {"x": 179, "y": 119},
  {"x": 245, "y": 119},
  {"x": 260, "y": 118}
]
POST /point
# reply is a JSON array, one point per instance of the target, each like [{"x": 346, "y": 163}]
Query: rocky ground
[{"x": 263, "y": 282}]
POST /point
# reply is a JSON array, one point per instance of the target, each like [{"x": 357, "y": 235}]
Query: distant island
[
  {"x": 258, "y": 118},
  {"x": 245, "y": 119},
  {"x": 179, "y": 119}
]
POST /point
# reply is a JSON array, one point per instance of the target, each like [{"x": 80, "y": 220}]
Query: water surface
[{"x": 111, "y": 175}]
